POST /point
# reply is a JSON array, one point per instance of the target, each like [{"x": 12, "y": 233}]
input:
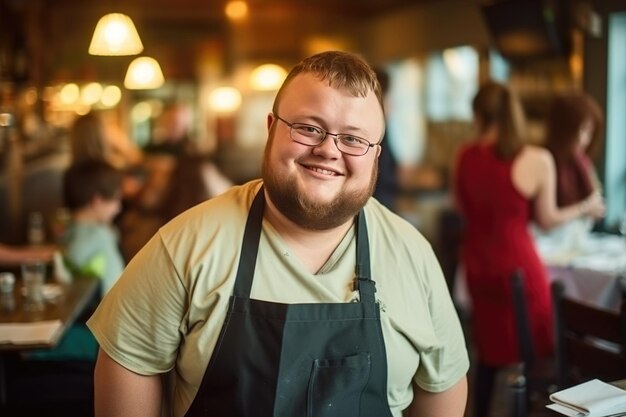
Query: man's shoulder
[
  {"x": 237, "y": 197},
  {"x": 384, "y": 223},
  {"x": 222, "y": 212}
]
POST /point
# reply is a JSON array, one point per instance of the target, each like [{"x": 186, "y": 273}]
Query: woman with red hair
[{"x": 573, "y": 133}]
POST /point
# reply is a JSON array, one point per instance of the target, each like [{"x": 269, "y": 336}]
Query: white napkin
[
  {"x": 27, "y": 333},
  {"x": 591, "y": 399}
]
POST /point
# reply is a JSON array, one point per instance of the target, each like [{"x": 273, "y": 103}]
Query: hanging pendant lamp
[
  {"x": 115, "y": 34},
  {"x": 144, "y": 73}
]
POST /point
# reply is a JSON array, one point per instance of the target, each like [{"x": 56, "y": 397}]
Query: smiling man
[{"x": 295, "y": 295}]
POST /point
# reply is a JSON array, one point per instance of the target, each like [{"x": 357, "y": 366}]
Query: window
[
  {"x": 405, "y": 115},
  {"x": 615, "y": 154},
  {"x": 451, "y": 82}
]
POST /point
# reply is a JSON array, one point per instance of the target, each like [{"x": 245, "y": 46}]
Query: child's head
[{"x": 93, "y": 186}]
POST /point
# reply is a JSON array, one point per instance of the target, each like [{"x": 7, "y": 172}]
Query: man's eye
[
  {"x": 308, "y": 130},
  {"x": 352, "y": 140}
]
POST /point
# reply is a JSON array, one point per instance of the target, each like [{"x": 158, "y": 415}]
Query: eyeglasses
[{"x": 311, "y": 135}]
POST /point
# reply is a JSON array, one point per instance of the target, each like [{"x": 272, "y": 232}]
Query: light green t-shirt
[
  {"x": 167, "y": 309},
  {"x": 91, "y": 249}
]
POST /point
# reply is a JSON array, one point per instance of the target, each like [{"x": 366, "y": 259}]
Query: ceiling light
[
  {"x": 225, "y": 99},
  {"x": 236, "y": 10},
  {"x": 91, "y": 93},
  {"x": 111, "y": 95},
  {"x": 115, "y": 34},
  {"x": 267, "y": 77},
  {"x": 69, "y": 94},
  {"x": 144, "y": 73},
  {"x": 141, "y": 112}
]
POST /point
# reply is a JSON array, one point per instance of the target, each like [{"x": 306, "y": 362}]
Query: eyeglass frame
[{"x": 325, "y": 135}]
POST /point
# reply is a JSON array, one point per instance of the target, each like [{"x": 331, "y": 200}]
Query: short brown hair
[
  {"x": 341, "y": 70},
  {"x": 88, "y": 179}
]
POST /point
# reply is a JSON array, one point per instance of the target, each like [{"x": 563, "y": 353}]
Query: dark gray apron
[{"x": 296, "y": 360}]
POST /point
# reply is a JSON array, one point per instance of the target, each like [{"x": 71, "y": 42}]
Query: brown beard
[{"x": 294, "y": 204}]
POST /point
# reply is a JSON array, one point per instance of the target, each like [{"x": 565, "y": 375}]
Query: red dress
[{"x": 497, "y": 242}]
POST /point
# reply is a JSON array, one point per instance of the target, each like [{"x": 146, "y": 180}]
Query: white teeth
[{"x": 322, "y": 171}]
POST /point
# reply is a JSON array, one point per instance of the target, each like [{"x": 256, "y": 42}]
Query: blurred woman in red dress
[{"x": 502, "y": 184}]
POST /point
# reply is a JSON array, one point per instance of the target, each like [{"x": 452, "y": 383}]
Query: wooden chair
[
  {"x": 528, "y": 387},
  {"x": 450, "y": 227},
  {"x": 590, "y": 342},
  {"x": 524, "y": 336}
]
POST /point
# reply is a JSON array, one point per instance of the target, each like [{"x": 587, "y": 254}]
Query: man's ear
[
  {"x": 270, "y": 121},
  {"x": 378, "y": 150}
]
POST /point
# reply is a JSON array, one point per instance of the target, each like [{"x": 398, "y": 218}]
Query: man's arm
[
  {"x": 449, "y": 403},
  {"x": 120, "y": 392}
]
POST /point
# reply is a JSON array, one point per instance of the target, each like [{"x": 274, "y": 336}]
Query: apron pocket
[{"x": 336, "y": 385}]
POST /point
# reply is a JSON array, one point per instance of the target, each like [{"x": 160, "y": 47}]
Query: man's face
[{"x": 318, "y": 187}]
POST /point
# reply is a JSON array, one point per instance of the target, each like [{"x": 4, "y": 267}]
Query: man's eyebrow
[{"x": 321, "y": 123}]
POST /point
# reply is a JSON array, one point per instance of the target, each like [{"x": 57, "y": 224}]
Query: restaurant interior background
[{"x": 436, "y": 51}]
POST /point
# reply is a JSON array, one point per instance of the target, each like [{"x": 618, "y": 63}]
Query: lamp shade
[
  {"x": 115, "y": 34},
  {"x": 144, "y": 73}
]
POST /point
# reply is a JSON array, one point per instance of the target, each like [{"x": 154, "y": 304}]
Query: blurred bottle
[
  {"x": 36, "y": 228},
  {"x": 7, "y": 297},
  {"x": 61, "y": 221}
]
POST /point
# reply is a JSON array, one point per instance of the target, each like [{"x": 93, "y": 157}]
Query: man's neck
[{"x": 312, "y": 247}]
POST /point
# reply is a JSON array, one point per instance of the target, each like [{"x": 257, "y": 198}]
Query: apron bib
[{"x": 293, "y": 360}]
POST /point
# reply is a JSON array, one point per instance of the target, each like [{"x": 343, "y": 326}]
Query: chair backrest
[
  {"x": 590, "y": 342},
  {"x": 524, "y": 335},
  {"x": 519, "y": 380},
  {"x": 448, "y": 243}
]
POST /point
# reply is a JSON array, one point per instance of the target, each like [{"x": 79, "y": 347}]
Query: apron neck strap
[
  {"x": 250, "y": 248},
  {"x": 363, "y": 277}
]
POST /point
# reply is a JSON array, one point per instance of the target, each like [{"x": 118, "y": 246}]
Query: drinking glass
[
  {"x": 7, "y": 300},
  {"x": 33, "y": 278}
]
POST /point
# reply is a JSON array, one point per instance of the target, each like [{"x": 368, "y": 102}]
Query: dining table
[
  {"x": 591, "y": 266},
  {"x": 592, "y": 271},
  {"x": 22, "y": 330}
]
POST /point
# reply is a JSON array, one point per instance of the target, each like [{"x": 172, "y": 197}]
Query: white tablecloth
[
  {"x": 592, "y": 269},
  {"x": 593, "y": 272}
]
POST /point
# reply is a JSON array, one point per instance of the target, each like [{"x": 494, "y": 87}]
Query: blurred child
[{"x": 92, "y": 193}]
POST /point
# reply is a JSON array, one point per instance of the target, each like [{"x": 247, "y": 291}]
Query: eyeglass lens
[{"x": 312, "y": 136}]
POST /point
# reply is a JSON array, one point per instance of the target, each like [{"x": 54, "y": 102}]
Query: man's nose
[{"x": 328, "y": 144}]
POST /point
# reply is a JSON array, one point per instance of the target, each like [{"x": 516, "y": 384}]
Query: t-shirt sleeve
[
  {"x": 138, "y": 323},
  {"x": 447, "y": 361}
]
